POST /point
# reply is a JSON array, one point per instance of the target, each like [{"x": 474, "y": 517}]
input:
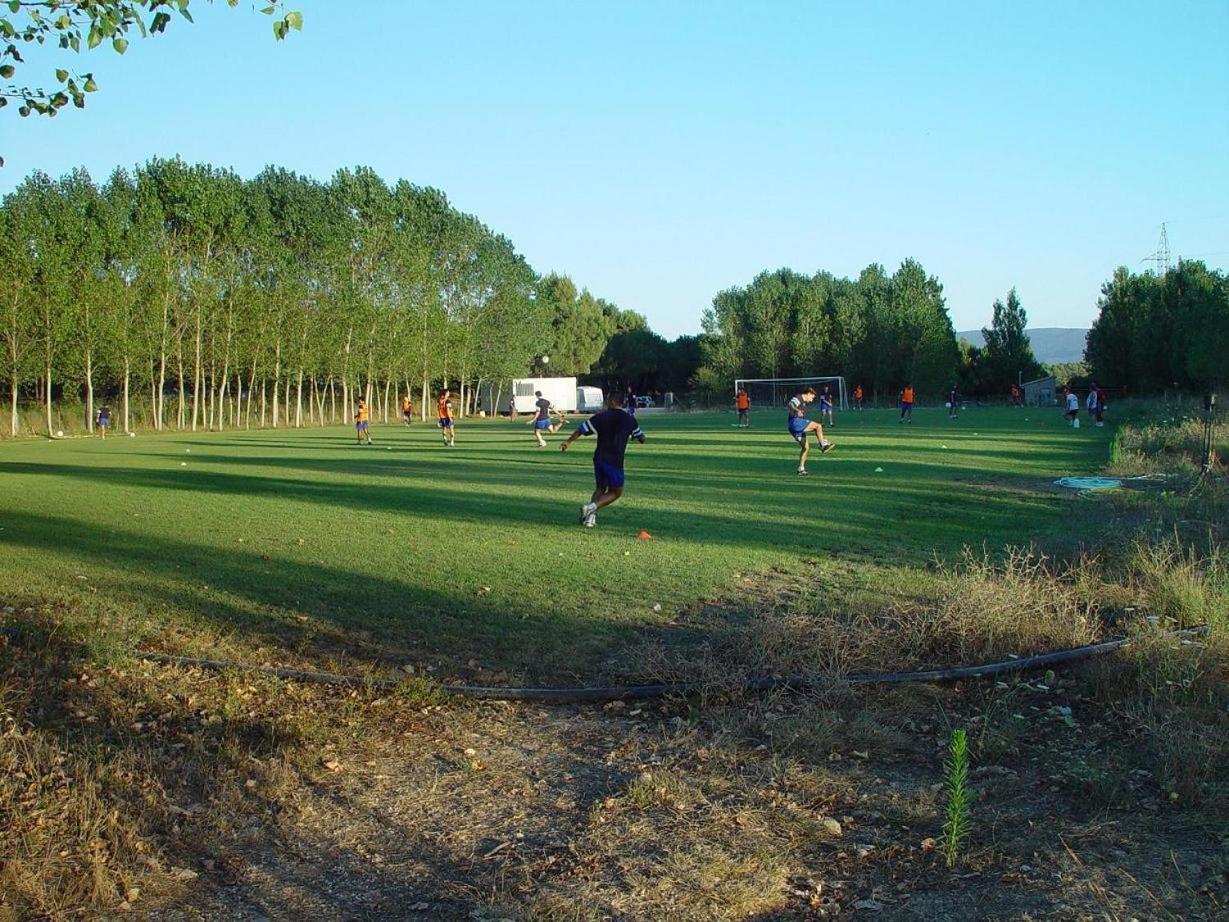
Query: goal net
[{"x": 772, "y": 393}]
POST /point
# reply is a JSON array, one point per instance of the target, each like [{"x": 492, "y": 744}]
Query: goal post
[{"x": 772, "y": 393}]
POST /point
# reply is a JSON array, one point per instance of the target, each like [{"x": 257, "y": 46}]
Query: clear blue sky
[{"x": 658, "y": 152}]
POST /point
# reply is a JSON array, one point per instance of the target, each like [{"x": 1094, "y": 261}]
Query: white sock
[{"x": 590, "y": 508}]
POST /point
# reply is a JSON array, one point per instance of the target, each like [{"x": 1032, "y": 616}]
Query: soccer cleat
[
  {"x": 584, "y": 513},
  {"x": 591, "y": 520},
  {"x": 803, "y": 472},
  {"x": 826, "y": 447}
]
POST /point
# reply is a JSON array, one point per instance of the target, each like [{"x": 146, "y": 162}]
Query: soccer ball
[
  {"x": 59, "y": 433},
  {"x": 546, "y": 360}
]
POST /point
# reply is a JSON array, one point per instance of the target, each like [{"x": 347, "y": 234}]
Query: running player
[
  {"x": 407, "y": 409},
  {"x": 857, "y": 396},
  {"x": 742, "y": 400},
  {"x": 799, "y": 426},
  {"x": 443, "y": 409},
  {"x": 541, "y": 419},
  {"x": 360, "y": 424},
  {"x": 906, "y": 404},
  {"x": 613, "y": 427}
]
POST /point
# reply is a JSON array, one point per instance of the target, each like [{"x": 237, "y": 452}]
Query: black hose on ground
[{"x": 598, "y": 695}]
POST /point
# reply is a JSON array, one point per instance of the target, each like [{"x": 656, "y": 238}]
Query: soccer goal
[{"x": 771, "y": 393}]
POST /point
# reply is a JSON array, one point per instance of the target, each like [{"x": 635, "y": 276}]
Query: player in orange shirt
[
  {"x": 742, "y": 401},
  {"x": 906, "y": 404},
  {"x": 857, "y": 397},
  {"x": 443, "y": 409},
  {"x": 360, "y": 424},
  {"x": 407, "y": 409}
]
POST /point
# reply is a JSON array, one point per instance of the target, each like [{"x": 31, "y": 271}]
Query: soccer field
[{"x": 475, "y": 551}]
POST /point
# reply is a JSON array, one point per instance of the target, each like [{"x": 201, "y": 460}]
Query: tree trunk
[
  {"x": 423, "y": 402},
  {"x": 13, "y": 385},
  {"x": 127, "y": 377},
  {"x": 263, "y": 402},
  {"x": 298, "y": 401},
  {"x": 89, "y": 391},
  {"x": 47, "y": 373},
  {"x": 332, "y": 401},
  {"x": 198, "y": 373},
  {"x": 277, "y": 380}
]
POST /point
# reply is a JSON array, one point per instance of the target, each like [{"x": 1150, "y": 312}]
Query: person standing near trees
[
  {"x": 103, "y": 421},
  {"x": 407, "y": 409},
  {"x": 857, "y": 397},
  {"x": 953, "y": 402},
  {"x": 742, "y": 400},
  {"x": 443, "y": 409},
  {"x": 906, "y": 404},
  {"x": 361, "y": 419},
  {"x": 825, "y": 406}
]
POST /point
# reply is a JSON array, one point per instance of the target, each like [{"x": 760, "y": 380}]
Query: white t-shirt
[{"x": 1073, "y": 402}]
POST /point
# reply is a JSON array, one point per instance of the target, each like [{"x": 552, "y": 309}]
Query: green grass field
[{"x": 475, "y": 551}]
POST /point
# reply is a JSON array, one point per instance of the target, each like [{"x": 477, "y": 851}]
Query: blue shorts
[
  {"x": 798, "y": 426},
  {"x": 607, "y": 476},
  {"x": 906, "y": 405},
  {"x": 445, "y": 424},
  {"x": 541, "y": 424},
  {"x": 361, "y": 426},
  {"x": 104, "y": 421}
]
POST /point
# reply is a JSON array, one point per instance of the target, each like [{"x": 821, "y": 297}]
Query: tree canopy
[{"x": 267, "y": 301}]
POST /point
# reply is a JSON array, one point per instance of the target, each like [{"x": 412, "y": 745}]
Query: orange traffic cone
[{"x": 644, "y": 536}]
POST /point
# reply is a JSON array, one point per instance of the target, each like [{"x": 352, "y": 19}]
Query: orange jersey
[
  {"x": 857, "y": 392},
  {"x": 405, "y": 405},
  {"x": 443, "y": 408},
  {"x": 744, "y": 402},
  {"x": 361, "y": 415},
  {"x": 907, "y": 395}
]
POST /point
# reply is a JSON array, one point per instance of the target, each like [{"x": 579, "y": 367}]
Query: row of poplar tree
[{"x": 192, "y": 298}]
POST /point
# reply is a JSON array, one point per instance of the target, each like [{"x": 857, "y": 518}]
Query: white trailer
[
  {"x": 590, "y": 399},
  {"x": 561, "y": 392}
]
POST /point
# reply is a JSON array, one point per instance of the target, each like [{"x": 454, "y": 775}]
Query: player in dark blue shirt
[{"x": 613, "y": 427}]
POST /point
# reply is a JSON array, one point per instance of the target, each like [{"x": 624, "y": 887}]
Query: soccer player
[
  {"x": 906, "y": 404},
  {"x": 857, "y": 396},
  {"x": 742, "y": 400},
  {"x": 798, "y": 426},
  {"x": 1072, "y": 415},
  {"x": 613, "y": 427},
  {"x": 443, "y": 409},
  {"x": 1100, "y": 391},
  {"x": 825, "y": 405},
  {"x": 360, "y": 424},
  {"x": 541, "y": 419},
  {"x": 1016, "y": 400},
  {"x": 103, "y": 421},
  {"x": 953, "y": 402},
  {"x": 407, "y": 409}
]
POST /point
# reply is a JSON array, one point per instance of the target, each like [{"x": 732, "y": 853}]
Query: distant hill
[{"x": 1051, "y": 345}]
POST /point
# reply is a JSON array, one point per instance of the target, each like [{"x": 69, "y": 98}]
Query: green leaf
[
  {"x": 7, "y": 71},
  {"x": 90, "y": 86},
  {"x": 295, "y": 20},
  {"x": 14, "y": 6},
  {"x": 268, "y": 10},
  {"x": 120, "y": 45},
  {"x": 61, "y": 75},
  {"x": 95, "y": 38}
]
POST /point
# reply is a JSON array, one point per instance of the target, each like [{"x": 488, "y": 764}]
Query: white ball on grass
[
  {"x": 546, "y": 360},
  {"x": 59, "y": 433}
]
